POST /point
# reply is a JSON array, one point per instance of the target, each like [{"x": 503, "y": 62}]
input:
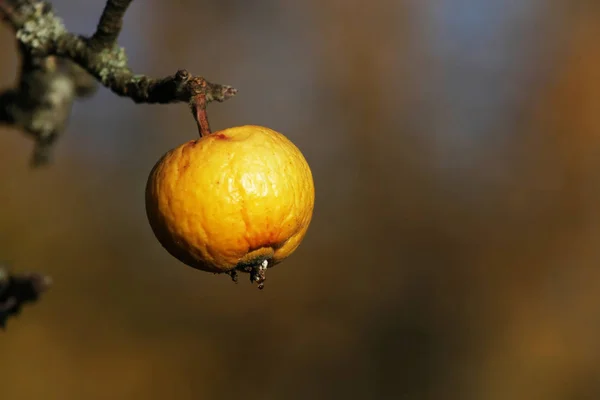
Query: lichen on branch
[{"x": 58, "y": 66}]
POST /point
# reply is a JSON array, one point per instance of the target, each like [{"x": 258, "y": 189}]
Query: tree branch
[
  {"x": 42, "y": 37},
  {"x": 110, "y": 24}
]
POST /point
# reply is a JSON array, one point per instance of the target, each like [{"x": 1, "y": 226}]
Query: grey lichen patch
[
  {"x": 137, "y": 78},
  {"x": 41, "y": 30},
  {"x": 113, "y": 61},
  {"x": 49, "y": 114}
]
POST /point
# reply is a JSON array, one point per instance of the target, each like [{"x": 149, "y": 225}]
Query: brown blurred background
[{"x": 455, "y": 247}]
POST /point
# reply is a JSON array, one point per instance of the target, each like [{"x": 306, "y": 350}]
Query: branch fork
[{"x": 59, "y": 66}]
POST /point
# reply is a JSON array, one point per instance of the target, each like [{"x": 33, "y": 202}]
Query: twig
[
  {"x": 110, "y": 24},
  {"x": 17, "y": 290},
  {"x": 42, "y": 35}
]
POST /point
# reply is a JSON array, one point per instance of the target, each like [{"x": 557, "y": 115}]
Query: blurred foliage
[{"x": 454, "y": 250}]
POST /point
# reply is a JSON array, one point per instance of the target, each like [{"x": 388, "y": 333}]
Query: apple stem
[{"x": 198, "y": 106}]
